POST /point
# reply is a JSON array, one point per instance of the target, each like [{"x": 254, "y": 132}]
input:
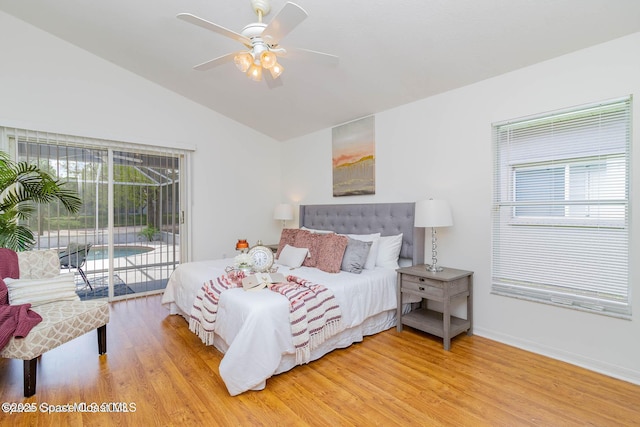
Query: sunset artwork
[{"x": 354, "y": 158}]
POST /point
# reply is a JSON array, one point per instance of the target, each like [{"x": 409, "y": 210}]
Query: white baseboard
[{"x": 621, "y": 373}]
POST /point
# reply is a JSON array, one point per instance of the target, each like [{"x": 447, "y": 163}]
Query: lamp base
[{"x": 434, "y": 268}]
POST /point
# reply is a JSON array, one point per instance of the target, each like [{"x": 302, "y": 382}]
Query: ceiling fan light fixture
[
  {"x": 262, "y": 40},
  {"x": 243, "y": 61},
  {"x": 276, "y": 70},
  {"x": 268, "y": 59},
  {"x": 255, "y": 72}
]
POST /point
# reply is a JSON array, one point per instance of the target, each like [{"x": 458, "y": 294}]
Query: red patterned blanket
[
  {"x": 15, "y": 320},
  {"x": 313, "y": 311}
]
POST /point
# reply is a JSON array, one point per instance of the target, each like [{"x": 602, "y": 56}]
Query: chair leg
[
  {"x": 102, "y": 339},
  {"x": 84, "y": 277},
  {"x": 30, "y": 371}
]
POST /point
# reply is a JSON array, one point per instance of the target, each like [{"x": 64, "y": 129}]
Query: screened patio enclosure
[{"x": 130, "y": 216}]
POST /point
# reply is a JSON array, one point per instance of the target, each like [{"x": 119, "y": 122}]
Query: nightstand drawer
[
  {"x": 422, "y": 281},
  {"x": 424, "y": 289}
]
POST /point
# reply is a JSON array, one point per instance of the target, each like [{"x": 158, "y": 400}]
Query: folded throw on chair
[
  {"x": 15, "y": 320},
  {"x": 9, "y": 267}
]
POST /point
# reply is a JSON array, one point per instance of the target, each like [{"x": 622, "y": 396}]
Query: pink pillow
[
  {"x": 330, "y": 252},
  {"x": 287, "y": 237},
  {"x": 308, "y": 240}
]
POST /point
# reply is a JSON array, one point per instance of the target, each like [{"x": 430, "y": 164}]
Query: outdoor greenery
[
  {"x": 149, "y": 233},
  {"x": 22, "y": 187},
  {"x": 82, "y": 178},
  {"x": 135, "y": 197}
]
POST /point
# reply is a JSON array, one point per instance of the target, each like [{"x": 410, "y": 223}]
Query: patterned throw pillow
[
  {"x": 330, "y": 252},
  {"x": 309, "y": 240},
  {"x": 41, "y": 264}
]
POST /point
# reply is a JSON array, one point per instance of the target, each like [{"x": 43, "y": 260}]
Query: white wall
[
  {"x": 49, "y": 85},
  {"x": 441, "y": 147}
]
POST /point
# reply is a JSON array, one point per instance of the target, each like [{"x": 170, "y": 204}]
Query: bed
[{"x": 253, "y": 328}]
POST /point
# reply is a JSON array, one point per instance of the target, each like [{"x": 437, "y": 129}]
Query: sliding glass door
[
  {"x": 146, "y": 212},
  {"x": 125, "y": 241}
]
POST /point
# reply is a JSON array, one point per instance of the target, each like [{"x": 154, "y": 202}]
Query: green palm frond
[
  {"x": 16, "y": 237},
  {"x": 22, "y": 187}
]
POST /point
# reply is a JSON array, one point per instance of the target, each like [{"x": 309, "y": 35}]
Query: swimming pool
[{"x": 102, "y": 252}]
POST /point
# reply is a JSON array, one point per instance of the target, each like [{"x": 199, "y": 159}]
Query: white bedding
[{"x": 253, "y": 329}]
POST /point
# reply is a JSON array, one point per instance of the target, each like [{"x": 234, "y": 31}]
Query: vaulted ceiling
[{"x": 391, "y": 52}]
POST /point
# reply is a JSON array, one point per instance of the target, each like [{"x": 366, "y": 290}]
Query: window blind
[{"x": 561, "y": 208}]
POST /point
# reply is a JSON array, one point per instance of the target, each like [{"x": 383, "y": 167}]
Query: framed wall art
[{"x": 354, "y": 158}]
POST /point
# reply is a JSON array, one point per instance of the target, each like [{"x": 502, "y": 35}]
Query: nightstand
[
  {"x": 443, "y": 286},
  {"x": 274, "y": 248}
]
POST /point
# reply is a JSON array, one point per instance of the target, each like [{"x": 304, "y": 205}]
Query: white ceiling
[{"x": 391, "y": 52}]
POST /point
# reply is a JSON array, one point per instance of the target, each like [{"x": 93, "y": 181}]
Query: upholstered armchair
[{"x": 53, "y": 296}]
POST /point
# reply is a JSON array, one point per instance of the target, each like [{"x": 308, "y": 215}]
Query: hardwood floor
[{"x": 392, "y": 378}]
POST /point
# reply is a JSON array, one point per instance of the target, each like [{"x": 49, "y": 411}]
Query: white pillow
[
  {"x": 292, "y": 256},
  {"x": 313, "y": 230},
  {"x": 42, "y": 291},
  {"x": 370, "y": 264},
  {"x": 389, "y": 251}
]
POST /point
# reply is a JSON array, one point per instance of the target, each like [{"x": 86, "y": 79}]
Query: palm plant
[{"x": 22, "y": 187}]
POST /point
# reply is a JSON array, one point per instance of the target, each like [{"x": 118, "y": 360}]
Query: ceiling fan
[{"x": 262, "y": 42}]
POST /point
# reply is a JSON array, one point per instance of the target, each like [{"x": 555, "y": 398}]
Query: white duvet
[{"x": 252, "y": 327}]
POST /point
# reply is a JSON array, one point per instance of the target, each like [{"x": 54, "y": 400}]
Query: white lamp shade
[
  {"x": 433, "y": 213},
  {"x": 283, "y": 211}
]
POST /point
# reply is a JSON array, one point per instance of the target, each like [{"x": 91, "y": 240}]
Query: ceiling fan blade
[
  {"x": 192, "y": 19},
  {"x": 311, "y": 55},
  {"x": 215, "y": 62},
  {"x": 286, "y": 20}
]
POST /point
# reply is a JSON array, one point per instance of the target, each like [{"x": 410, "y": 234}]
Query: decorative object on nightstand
[
  {"x": 433, "y": 213},
  {"x": 443, "y": 286},
  {"x": 242, "y": 262},
  {"x": 242, "y": 245},
  {"x": 283, "y": 212},
  {"x": 273, "y": 247}
]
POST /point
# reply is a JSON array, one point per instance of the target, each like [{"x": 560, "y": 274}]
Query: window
[
  {"x": 564, "y": 194},
  {"x": 561, "y": 208}
]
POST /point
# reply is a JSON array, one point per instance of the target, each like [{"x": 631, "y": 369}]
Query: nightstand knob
[
  {"x": 421, "y": 279},
  {"x": 421, "y": 288}
]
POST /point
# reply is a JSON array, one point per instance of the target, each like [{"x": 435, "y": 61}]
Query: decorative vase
[
  {"x": 246, "y": 269},
  {"x": 242, "y": 245}
]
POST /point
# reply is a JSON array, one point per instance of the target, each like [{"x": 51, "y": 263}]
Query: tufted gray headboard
[{"x": 388, "y": 219}]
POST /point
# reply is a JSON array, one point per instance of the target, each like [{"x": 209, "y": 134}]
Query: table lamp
[
  {"x": 433, "y": 213},
  {"x": 283, "y": 212}
]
